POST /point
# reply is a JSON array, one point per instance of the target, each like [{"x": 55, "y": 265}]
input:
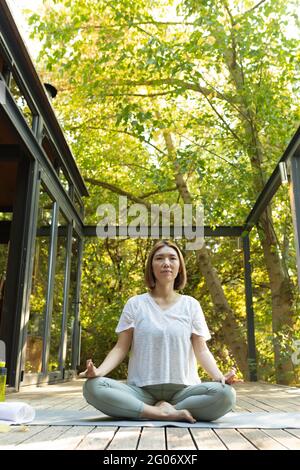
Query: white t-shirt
[{"x": 161, "y": 350}]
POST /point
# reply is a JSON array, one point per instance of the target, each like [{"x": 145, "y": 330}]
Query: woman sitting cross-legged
[{"x": 166, "y": 334}]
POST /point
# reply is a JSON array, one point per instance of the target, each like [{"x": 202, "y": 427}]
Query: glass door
[
  {"x": 57, "y": 336},
  {"x": 40, "y": 283},
  {"x": 5, "y": 221}
]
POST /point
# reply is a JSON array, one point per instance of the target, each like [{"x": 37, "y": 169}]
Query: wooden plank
[
  {"x": 179, "y": 438},
  {"x": 233, "y": 440},
  {"x": 43, "y": 440},
  {"x": 248, "y": 406},
  {"x": 261, "y": 404},
  {"x": 261, "y": 440},
  {"x": 286, "y": 439},
  {"x": 284, "y": 405},
  {"x": 294, "y": 432},
  {"x": 207, "y": 439},
  {"x": 152, "y": 439},
  {"x": 70, "y": 439},
  {"x": 125, "y": 438},
  {"x": 240, "y": 409},
  {"x": 18, "y": 434},
  {"x": 98, "y": 439}
]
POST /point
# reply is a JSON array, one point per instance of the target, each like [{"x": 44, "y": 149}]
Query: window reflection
[
  {"x": 38, "y": 303},
  {"x": 58, "y": 294},
  {"x": 78, "y": 204},
  {"x": 64, "y": 180},
  {"x": 21, "y": 102},
  {"x": 5, "y": 219}
]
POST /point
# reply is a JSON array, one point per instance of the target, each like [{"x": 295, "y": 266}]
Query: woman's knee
[
  {"x": 224, "y": 393},
  {"x": 229, "y": 396},
  {"x": 92, "y": 386}
]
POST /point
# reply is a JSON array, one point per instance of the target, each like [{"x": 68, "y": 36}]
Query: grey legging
[{"x": 206, "y": 401}]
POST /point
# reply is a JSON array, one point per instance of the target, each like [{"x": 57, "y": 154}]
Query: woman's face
[{"x": 165, "y": 264}]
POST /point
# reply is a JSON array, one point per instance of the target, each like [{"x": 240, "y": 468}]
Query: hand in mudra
[
  {"x": 91, "y": 371},
  {"x": 231, "y": 377}
]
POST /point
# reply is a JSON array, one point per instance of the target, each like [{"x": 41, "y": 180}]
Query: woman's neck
[{"x": 166, "y": 292}]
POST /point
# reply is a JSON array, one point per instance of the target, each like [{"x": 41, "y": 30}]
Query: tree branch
[
  {"x": 158, "y": 192},
  {"x": 223, "y": 120},
  {"x": 118, "y": 131},
  {"x": 150, "y": 95},
  {"x": 115, "y": 189},
  {"x": 166, "y": 81},
  {"x": 253, "y": 8},
  {"x": 142, "y": 23},
  {"x": 206, "y": 149}
]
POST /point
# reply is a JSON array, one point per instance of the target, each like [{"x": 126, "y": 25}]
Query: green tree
[{"x": 193, "y": 102}]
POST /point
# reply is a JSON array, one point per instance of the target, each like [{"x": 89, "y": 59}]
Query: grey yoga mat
[{"x": 262, "y": 420}]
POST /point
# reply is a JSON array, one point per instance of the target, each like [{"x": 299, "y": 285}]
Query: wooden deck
[{"x": 252, "y": 397}]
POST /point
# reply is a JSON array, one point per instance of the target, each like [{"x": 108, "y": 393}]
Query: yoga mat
[{"x": 260, "y": 420}]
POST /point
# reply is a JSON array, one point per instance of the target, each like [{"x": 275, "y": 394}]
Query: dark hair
[{"x": 181, "y": 277}]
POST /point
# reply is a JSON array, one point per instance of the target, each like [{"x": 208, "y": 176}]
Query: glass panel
[
  {"x": 38, "y": 303},
  {"x": 3, "y": 263},
  {"x": 78, "y": 204},
  {"x": 6, "y": 216},
  {"x": 64, "y": 181},
  {"x": 4, "y": 247},
  {"x": 21, "y": 102},
  {"x": 58, "y": 294},
  {"x": 72, "y": 299}
]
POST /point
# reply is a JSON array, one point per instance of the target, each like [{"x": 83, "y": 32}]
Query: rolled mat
[{"x": 16, "y": 412}]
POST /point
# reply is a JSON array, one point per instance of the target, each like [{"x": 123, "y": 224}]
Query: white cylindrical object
[{"x": 16, "y": 412}]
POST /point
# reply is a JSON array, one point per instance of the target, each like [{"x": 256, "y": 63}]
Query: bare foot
[
  {"x": 163, "y": 403},
  {"x": 169, "y": 413},
  {"x": 90, "y": 372}
]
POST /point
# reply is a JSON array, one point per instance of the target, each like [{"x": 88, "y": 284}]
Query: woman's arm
[
  {"x": 113, "y": 358},
  {"x": 206, "y": 359},
  {"x": 117, "y": 354}
]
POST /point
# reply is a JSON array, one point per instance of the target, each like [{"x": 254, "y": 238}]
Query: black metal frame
[
  {"x": 24, "y": 223},
  {"x": 294, "y": 167},
  {"x": 59, "y": 204}
]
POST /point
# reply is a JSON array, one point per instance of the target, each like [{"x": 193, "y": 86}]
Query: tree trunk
[
  {"x": 281, "y": 289},
  {"x": 231, "y": 334},
  {"x": 282, "y": 302}
]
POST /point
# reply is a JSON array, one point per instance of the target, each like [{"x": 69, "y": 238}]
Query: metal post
[
  {"x": 295, "y": 205},
  {"x": 76, "y": 340},
  {"x": 51, "y": 279},
  {"x": 249, "y": 311},
  {"x": 63, "y": 341}
]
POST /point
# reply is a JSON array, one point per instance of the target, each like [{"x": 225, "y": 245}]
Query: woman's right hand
[
  {"x": 91, "y": 371},
  {"x": 231, "y": 378}
]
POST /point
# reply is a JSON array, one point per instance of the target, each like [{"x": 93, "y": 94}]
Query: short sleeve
[
  {"x": 127, "y": 318},
  {"x": 199, "y": 326}
]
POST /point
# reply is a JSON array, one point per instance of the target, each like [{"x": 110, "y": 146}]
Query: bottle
[{"x": 3, "y": 373}]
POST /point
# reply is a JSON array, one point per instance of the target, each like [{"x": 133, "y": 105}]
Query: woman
[{"x": 167, "y": 334}]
